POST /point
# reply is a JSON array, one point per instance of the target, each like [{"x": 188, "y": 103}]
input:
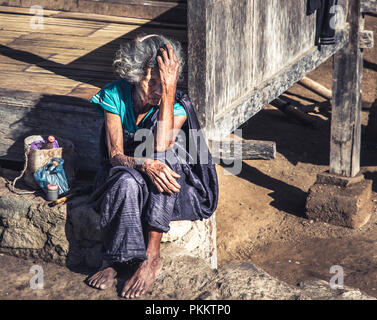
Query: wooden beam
[
  {"x": 369, "y": 6},
  {"x": 197, "y": 58},
  {"x": 316, "y": 87},
  {"x": 346, "y": 108},
  {"x": 292, "y": 111},
  {"x": 242, "y": 149}
]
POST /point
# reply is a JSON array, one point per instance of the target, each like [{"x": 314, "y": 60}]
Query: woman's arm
[
  {"x": 160, "y": 174},
  {"x": 168, "y": 125},
  {"x": 114, "y": 139}
]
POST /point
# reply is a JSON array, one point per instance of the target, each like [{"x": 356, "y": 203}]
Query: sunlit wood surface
[{"x": 72, "y": 55}]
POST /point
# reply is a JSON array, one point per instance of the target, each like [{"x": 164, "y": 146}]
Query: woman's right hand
[{"x": 161, "y": 175}]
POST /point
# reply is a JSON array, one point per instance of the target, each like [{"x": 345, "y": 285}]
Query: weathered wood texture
[
  {"x": 369, "y": 6},
  {"x": 72, "y": 54},
  {"x": 242, "y": 149},
  {"x": 244, "y": 54},
  {"x": 346, "y": 110},
  {"x": 166, "y": 10},
  {"x": 59, "y": 68},
  {"x": 265, "y": 92},
  {"x": 26, "y": 113},
  {"x": 316, "y": 87}
]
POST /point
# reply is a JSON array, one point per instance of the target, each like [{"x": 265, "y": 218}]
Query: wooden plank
[
  {"x": 117, "y": 19},
  {"x": 24, "y": 11},
  {"x": 84, "y": 91},
  {"x": 16, "y": 3},
  {"x": 346, "y": 108},
  {"x": 7, "y": 60},
  {"x": 89, "y": 74},
  {"x": 38, "y": 82},
  {"x": 8, "y": 36},
  {"x": 316, "y": 87},
  {"x": 50, "y": 25},
  {"x": 112, "y": 39},
  {"x": 369, "y": 6},
  {"x": 91, "y": 17},
  {"x": 119, "y": 29},
  {"x": 161, "y": 11},
  {"x": 242, "y": 149},
  {"x": 51, "y": 20},
  {"x": 64, "y": 57},
  {"x": 4, "y": 67},
  {"x": 47, "y": 40},
  {"x": 89, "y": 65},
  {"x": 20, "y": 52}
]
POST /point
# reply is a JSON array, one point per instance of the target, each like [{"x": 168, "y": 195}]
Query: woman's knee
[{"x": 127, "y": 181}]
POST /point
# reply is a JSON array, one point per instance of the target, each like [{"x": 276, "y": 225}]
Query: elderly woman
[{"x": 139, "y": 193}]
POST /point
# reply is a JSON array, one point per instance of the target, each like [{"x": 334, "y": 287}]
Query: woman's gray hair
[{"x": 135, "y": 56}]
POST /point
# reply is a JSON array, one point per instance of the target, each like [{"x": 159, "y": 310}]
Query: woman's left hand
[{"x": 169, "y": 68}]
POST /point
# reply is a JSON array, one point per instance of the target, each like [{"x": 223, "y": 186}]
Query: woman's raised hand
[
  {"x": 169, "y": 67},
  {"x": 161, "y": 175}
]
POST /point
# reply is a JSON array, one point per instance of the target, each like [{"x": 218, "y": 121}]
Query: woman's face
[{"x": 150, "y": 89}]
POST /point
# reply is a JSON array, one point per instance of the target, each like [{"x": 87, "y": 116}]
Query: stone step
[{"x": 69, "y": 234}]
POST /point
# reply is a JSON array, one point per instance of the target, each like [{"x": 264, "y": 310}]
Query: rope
[
  {"x": 30, "y": 162},
  {"x": 11, "y": 185}
]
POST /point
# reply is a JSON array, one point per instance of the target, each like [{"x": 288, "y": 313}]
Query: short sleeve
[
  {"x": 104, "y": 101},
  {"x": 179, "y": 110}
]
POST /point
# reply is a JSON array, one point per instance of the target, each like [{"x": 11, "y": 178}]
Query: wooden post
[
  {"x": 197, "y": 58},
  {"x": 197, "y": 28},
  {"x": 346, "y": 108}
]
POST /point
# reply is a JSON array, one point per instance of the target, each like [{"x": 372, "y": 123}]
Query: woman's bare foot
[
  {"x": 104, "y": 278},
  {"x": 143, "y": 277}
]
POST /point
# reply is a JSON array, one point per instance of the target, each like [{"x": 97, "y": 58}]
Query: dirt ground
[
  {"x": 261, "y": 217},
  {"x": 266, "y": 224}
]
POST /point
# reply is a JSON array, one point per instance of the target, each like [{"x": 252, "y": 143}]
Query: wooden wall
[{"x": 241, "y": 46}]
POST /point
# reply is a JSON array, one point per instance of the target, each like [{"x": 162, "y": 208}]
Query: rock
[
  {"x": 238, "y": 281},
  {"x": 177, "y": 230},
  {"x": 23, "y": 238},
  {"x": 347, "y": 206}
]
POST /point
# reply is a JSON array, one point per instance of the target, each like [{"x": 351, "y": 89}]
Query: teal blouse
[{"x": 115, "y": 97}]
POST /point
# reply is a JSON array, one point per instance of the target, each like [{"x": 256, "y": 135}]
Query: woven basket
[{"x": 35, "y": 159}]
